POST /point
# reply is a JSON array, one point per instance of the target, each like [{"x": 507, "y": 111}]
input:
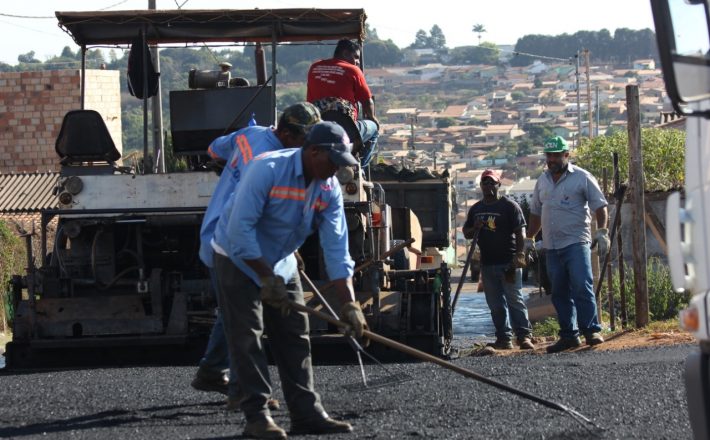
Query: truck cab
[{"x": 683, "y": 34}]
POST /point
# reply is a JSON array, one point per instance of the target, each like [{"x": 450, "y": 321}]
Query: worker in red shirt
[{"x": 341, "y": 77}]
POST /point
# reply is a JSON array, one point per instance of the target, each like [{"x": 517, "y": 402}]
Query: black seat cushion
[{"x": 85, "y": 138}]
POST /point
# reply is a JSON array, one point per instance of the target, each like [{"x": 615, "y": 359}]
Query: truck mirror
[{"x": 683, "y": 35}]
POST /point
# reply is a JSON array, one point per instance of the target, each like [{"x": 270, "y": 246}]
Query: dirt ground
[{"x": 615, "y": 341}]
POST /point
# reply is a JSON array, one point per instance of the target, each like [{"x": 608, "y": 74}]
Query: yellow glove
[
  {"x": 529, "y": 245},
  {"x": 351, "y": 313},
  {"x": 273, "y": 292},
  {"x": 520, "y": 261}
]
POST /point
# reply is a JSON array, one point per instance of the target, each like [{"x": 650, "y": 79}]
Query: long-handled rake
[
  {"x": 469, "y": 258},
  {"x": 579, "y": 418}
]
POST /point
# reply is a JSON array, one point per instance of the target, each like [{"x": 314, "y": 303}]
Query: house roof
[
  {"x": 31, "y": 192},
  {"x": 454, "y": 111},
  {"x": 400, "y": 111}
]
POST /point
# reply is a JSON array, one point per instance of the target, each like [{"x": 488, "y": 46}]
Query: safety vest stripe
[
  {"x": 319, "y": 205},
  {"x": 211, "y": 153},
  {"x": 244, "y": 147},
  {"x": 285, "y": 192}
]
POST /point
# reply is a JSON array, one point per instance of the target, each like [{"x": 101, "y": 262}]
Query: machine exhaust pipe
[{"x": 260, "y": 60}]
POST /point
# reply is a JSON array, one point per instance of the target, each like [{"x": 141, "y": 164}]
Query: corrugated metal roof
[{"x": 30, "y": 192}]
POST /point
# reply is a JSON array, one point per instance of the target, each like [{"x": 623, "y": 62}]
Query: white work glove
[
  {"x": 601, "y": 238},
  {"x": 273, "y": 292},
  {"x": 528, "y": 245},
  {"x": 351, "y": 314}
]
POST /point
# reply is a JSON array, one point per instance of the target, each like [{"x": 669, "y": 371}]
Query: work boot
[
  {"x": 501, "y": 344},
  {"x": 209, "y": 381},
  {"x": 264, "y": 428},
  {"x": 525, "y": 343},
  {"x": 320, "y": 426},
  {"x": 594, "y": 338},
  {"x": 564, "y": 344},
  {"x": 233, "y": 404}
]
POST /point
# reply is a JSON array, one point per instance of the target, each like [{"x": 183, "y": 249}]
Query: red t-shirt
[{"x": 334, "y": 77}]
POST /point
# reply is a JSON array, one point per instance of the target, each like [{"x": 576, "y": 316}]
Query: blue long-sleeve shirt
[
  {"x": 273, "y": 212},
  {"x": 238, "y": 149}
]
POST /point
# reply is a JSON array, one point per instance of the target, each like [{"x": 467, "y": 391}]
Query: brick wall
[{"x": 33, "y": 104}]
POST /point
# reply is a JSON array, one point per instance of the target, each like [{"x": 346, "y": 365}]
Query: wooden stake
[{"x": 636, "y": 184}]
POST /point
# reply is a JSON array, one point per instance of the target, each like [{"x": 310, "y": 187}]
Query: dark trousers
[{"x": 245, "y": 321}]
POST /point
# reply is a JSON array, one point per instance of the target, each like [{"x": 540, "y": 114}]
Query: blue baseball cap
[{"x": 331, "y": 137}]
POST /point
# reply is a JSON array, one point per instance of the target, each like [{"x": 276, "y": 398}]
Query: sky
[{"x": 505, "y": 21}]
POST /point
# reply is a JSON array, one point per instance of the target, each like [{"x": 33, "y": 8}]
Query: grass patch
[
  {"x": 666, "y": 326},
  {"x": 550, "y": 328},
  {"x": 547, "y": 327}
]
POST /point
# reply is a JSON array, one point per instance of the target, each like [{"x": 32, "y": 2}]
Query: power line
[
  {"x": 23, "y": 16},
  {"x": 115, "y": 4},
  {"x": 3, "y": 14},
  {"x": 517, "y": 52}
]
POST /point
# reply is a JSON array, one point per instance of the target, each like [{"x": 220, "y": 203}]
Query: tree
[
  {"x": 68, "y": 53},
  {"x": 445, "y": 122},
  {"x": 662, "y": 149},
  {"x": 381, "y": 53},
  {"x": 437, "y": 40},
  {"x": 28, "y": 57},
  {"x": 421, "y": 40},
  {"x": 538, "y": 133},
  {"x": 485, "y": 53},
  {"x": 291, "y": 96},
  {"x": 479, "y": 29}
]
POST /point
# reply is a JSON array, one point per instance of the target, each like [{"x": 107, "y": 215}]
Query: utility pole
[
  {"x": 596, "y": 110},
  {"x": 157, "y": 107},
  {"x": 589, "y": 93},
  {"x": 579, "y": 112},
  {"x": 411, "y": 133}
]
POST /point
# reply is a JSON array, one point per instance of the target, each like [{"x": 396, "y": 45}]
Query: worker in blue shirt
[
  {"x": 284, "y": 197},
  {"x": 236, "y": 151}
]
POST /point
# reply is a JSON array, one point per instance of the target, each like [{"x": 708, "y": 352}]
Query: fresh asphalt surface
[{"x": 629, "y": 394}]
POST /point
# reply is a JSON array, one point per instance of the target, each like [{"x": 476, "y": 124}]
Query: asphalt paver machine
[{"x": 122, "y": 271}]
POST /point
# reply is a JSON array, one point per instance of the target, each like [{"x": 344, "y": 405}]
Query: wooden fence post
[
  {"x": 620, "y": 248},
  {"x": 638, "y": 214},
  {"x": 609, "y": 276}
]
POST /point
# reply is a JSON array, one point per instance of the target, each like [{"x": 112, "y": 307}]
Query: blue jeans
[
  {"x": 216, "y": 357},
  {"x": 368, "y": 132},
  {"x": 570, "y": 273},
  {"x": 505, "y": 300}
]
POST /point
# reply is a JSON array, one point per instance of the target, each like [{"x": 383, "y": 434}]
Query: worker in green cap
[{"x": 563, "y": 200}]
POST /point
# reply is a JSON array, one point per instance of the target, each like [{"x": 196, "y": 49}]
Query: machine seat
[{"x": 84, "y": 138}]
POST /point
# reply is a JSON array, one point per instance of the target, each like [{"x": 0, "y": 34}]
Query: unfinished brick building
[{"x": 32, "y": 105}]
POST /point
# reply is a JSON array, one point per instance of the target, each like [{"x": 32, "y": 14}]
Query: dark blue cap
[{"x": 331, "y": 137}]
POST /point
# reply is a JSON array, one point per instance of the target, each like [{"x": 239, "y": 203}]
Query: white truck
[{"x": 683, "y": 34}]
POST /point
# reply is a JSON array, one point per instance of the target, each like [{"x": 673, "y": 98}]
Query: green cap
[
  {"x": 302, "y": 115},
  {"x": 555, "y": 145}
]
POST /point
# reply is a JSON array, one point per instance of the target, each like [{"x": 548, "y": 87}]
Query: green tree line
[{"x": 623, "y": 47}]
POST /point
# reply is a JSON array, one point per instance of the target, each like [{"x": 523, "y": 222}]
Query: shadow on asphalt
[{"x": 114, "y": 418}]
